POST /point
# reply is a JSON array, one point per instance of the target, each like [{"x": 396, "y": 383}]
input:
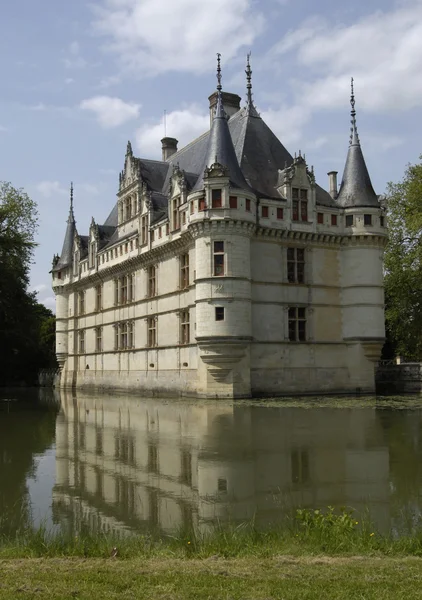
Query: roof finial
[
  {"x": 71, "y": 215},
  {"x": 354, "y": 137},
  {"x": 249, "y": 79},
  {"x": 219, "y": 87}
]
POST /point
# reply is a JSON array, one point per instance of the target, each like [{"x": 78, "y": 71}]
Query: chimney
[
  {"x": 332, "y": 177},
  {"x": 231, "y": 104},
  {"x": 169, "y": 147}
]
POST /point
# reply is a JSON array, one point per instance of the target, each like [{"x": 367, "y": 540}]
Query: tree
[
  {"x": 403, "y": 264},
  {"x": 25, "y": 325}
]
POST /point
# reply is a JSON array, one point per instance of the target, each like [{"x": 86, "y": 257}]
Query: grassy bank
[
  {"x": 314, "y": 555},
  {"x": 281, "y": 577}
]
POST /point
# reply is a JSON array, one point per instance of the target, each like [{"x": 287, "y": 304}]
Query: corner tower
[
  {"x": 361, "y": 265},
  {"x": 222, "y": 229}
]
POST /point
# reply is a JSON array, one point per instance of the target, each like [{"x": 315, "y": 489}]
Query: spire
[
  {"x": 129, "y": 149},
  {"x": 249, "y": 101},
  {"x": 354, "y": 137},
  {"x": 356, "y": 187},
  {"x": 67, "y": 251},
  {"x": 220, "y": 145}
]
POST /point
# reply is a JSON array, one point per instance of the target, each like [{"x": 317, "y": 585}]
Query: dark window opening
[
  {"x": 349, "y": 220},
  {"x": 216, "y": 198},
  {"x": 367, "y": 219},
  {"x": 219, "y": 313}
]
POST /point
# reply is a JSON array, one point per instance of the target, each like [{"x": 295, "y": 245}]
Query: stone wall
[{"x": 399, "y": 379}]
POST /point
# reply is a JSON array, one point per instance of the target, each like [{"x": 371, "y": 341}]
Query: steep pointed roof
[
  {"x": 67, "y": 251},
  {"x": 220, "y": 147},
  {"x": 356, "y": 187}
]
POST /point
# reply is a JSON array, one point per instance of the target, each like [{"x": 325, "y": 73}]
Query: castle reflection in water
[{"x": 126, "y": 464}]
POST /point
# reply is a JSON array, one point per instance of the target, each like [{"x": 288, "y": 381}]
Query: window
[
  {"x": 92, "y": 255},
  {"x": 131, "y": 287},
  {"x": 192, "y": 207},
  {"x": 123, "y": 290},
  {"x": 382, "y": 221},
  {"x": 320, "y": 218},
  {"x": 334, "y": 220},
  {"x": 123, "y": 336},
  {"x": 130, "y": 334},
  {"x": 218, "y": 259},
  {"x": 81, "y": 342},
  {"x": 152, "y": 331},
  {"x": 202, "y": 204},
  {"x": 297, "y": 324},
  {"x": 296, "y": 265},
  {"x": 300, "y": 466},
  {"x": 219, "y": 313},
  {"x": 222, "y": 485},
  {"x": 59, "y": 275},
  {"x": 248, "y": 205},
  {"x": 367, "y": 219},
  {"x": 184, "y": 271},
  {"x": 99, "y": 339},
  {"x": 233, "y": 201},
  {"x": 175, "y": 213},
  {"x": 144, "y": 229},
  {"x": 160, "y": 233},
  {"x": 167, "y": 228},
  {"x": 152, "y": 235},
  {"x": 264, "y": 212},
  {"x": 81, "y": 303},
  {"x": 152, "y": 283},
  {"x": 98, "y": 298},
  {"x": 128, "y": 208},
  {"x": 216, "y": 199},
  {"x": 116, "y": 291},
  {"x": 116, "y": 337},
  {"x": 299, "y": 204},
  {"x": 279, "y": 213},
  {"x": 184, "y": 217},
  {"x": 349, "y": 220},
  {"x": 184, "y": 327}
]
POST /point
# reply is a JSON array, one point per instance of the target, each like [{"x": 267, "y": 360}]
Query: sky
[{"x": 79, "y": 79}]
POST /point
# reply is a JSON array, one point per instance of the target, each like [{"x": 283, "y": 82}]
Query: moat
[{"x": 120, "y": 464}]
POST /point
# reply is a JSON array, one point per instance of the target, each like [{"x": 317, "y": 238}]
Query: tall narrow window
[
  {"x": 334, "y": 220},
  {"x": 202, "y": 204},
  {"x": 152, "y": 282},
  {"x": 299, "y": 204},
  {"x": 81, "y": 342},
  {"x": 184, "y": 327},
  {"x": 152, "y": 331},
  {"x": 131, "y": 335},
  {"x": 216, "y": 198},
  {"x": 297, "y": 324},
  {"x": 218, "y": 259},
  {"x": 192, "y": 207},
  {"x": 99, "y": 298},
  {"x": 116, "y": 337},
  {"x": 219, "y": 313},
  {"x": 367, "y": 219},
  {"x": 144, "y": 229},
  {"x": 123, "y": 290},
  {"x": 320, "y": 218},
  {"x": 279, "y": 214},
  {"x": 349, "y": 220},
  {"x": 116, "y": 292},
  {"x": 264, "y": 212},
  {"x": 81, "y": 303},
  {"x": 176, "y": 222},
  {"x": 184, "y": 271},
  {"x": 233, "y": 201},
  {"x": 99, "y": 339},
  {"x": 92, "y": 255},
  {"x": 131, "y": 287},
  {"x": 296, "y": 265},
  {"x": 248, "y": 205},
  {"x": 123, "y": 336}
]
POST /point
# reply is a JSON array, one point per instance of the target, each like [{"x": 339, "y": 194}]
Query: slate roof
[{"x": 66, "y": 255}]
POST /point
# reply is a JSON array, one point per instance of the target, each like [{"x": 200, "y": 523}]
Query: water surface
[{"x": 121, "y": 464}]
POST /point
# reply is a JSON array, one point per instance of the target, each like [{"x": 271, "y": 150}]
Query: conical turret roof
[
  {"x": 220, "y": 147},
  {"x": 356, "y": 187},
  {"x": 66, "y": 255}
]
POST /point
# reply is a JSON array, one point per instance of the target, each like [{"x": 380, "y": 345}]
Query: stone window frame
[
  {"x": 349, "y": 221},
  {"x": 99, "y": 297},
  {"x": 81, "y": 303},
  {"x": 296, "y": 265},
  {"x": 334, "y": 220},
  {"x": 297, "y": 324},
  {"x": 218, "y": 258},
  {"x": 152, "y": 281},
  {"x": 300, "y": 199},
  {"x": 152, "y": 331},
  {"x": 265, "y": 211},
  {"x": 81, "y": 341},
  {"x": 367, "y": 220},
  {"x": 184, "y": 317},
  {"x": 220, "y": 313},
  {"x": 98, "y": 339},
  {"x": 184, "y": 271},
  {"x": 216, "y": 198},
  {"x": 233, "y": 201}
]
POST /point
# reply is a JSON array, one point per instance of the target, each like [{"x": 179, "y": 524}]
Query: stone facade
[{"x": 202, "y": 283}]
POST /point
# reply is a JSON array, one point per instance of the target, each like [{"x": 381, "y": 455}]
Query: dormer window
[
  {"x": 216, "y": 198},
  {"x": 175, "y": 213},
  {"x": 92, "y": 255},
  {"x": 299, "y": 204},
  {"x": 128, "y": 208}
]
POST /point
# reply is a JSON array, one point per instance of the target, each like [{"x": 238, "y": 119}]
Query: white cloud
[
  {"x": 383, "y": 51},
  {"x": 49, "y": 302},
  {"x": 49, "y": 189},
  {"x": 69, "y": 80},
  {"x": 185, "y": 125},
  {"x": 41, "y": 287},
  {"x": 155, "y": 36},
  {"x": 111, "y": 112}
]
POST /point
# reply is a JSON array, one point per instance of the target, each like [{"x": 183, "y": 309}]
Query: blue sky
[{"x": 81, "y": 78}]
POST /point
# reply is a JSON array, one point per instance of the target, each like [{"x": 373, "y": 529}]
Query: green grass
[
  {"x": 307, "y": 533},
  {"x": 317, "y": 554}
]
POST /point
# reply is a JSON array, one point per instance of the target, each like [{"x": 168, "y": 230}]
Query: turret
[
  {"x": 61, "y": 272},
  {"x": 222, "y": 250},
  {"x": 361, "y": 265}
]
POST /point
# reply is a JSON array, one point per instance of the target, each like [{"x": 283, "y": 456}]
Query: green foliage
[
  {"x": 403, "y": 264},
  {"x": 25, "y": 325}
]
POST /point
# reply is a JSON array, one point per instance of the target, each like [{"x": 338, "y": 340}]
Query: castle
[{"x": 224, "y": 270}]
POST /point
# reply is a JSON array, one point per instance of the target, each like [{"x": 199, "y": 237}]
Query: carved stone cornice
[{"x": 226, "y": 226}]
